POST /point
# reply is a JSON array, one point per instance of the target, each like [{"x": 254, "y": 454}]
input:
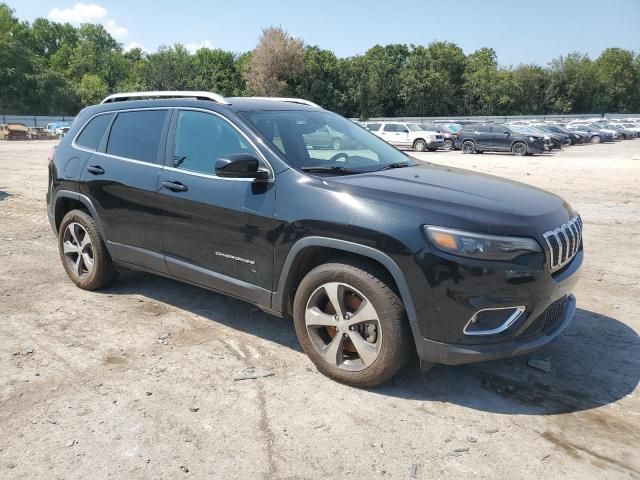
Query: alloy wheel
[
  {"x": 78, "y": 250},
  {"x": 448, "y": 145},
  {"x": 343, "y": 326}
]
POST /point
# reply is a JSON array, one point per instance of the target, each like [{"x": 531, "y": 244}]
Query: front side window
[
  {"x": 351, "y": 149},
  {"x": 136, "y": 135},
  {"x": 203, "y": 138},
  {"x": 92, "y": 133}
]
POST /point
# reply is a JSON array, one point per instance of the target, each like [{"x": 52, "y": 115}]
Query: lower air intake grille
[{"x": 547, "y": 319}]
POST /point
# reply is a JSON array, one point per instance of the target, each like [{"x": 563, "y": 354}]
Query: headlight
[
  {"x": 477, "y": 245},
  {"x": 532, "y": 139}
]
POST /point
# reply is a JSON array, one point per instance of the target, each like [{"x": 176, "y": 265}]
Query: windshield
[
  {"x": 522, "y": 129},
  {"x": 324, "y": 140},
  {"x": 414, "y": 127},
  {"x": 451, "y": 127}
]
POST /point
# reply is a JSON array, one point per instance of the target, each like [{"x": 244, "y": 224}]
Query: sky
[{"x": 532, "y": 31}]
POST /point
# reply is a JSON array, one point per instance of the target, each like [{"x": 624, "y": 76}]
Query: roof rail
[
  {"x": 121, "y": 97},
  {"x": 301, "y": 101}
]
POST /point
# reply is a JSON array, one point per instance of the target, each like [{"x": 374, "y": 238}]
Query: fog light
[{"x": 490, "y": 321}]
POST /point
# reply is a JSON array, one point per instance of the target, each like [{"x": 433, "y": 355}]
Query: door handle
[
  {"x": 95, "y": 169},
  {"x": 175, "y": 186}
]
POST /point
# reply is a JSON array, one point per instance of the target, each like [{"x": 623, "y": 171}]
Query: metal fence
[
  {"x": 33, "y": 120},
  {"x": 506, "y": 118},
  {"x": 42, "y": 121}
]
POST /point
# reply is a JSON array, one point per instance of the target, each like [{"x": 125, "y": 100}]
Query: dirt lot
[{"x": 138, "y": 381}]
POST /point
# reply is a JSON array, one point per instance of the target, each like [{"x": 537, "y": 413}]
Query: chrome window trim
[
  {"x": 142, "y": 162},
  {"x": 519, "y": 310}
]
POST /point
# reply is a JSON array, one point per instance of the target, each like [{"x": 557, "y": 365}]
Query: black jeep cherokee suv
[
  {"x": 493, "y": 137},
  {"x": 373, "y": 255}
]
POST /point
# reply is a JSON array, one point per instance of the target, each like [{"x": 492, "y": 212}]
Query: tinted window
[
  {"x": 391, "y": 127},
  {"x": 483, "y": 128},
  {"x": 374, "y": 127},
  {"x": 136, "y": 135},
  {"x": 202, "y": 138},
  {"x": 93, "y": 131}
]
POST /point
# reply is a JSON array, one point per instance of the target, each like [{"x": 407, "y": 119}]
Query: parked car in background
[
  {"x": 593, "y": 134},
  {"x": 58, "y": 129},
  {"x": 328, "y": 138},
  {"x": 625, "y": 133},
  {"x": 39, "y": 133},
  {"x": 14, "y": 131},
  {"x": 449, "y": 132},
  {"x": 614, "y": 135},
  {"x": 407, "y": 135},
  {"x": 498, "y": 138},
  {"x": 576, "y": 138},
  {"x": 563, "y": 138}
]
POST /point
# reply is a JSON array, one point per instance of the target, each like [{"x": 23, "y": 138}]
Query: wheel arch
[
  {"x": 309, "y": 252},
  {"x": 66, "y": 200}
]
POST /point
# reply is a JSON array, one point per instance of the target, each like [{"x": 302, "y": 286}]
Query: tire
[
  {"x": 336, "y": 144},
  {"x": 91, "y": 269},
  {"x": 596, "y": 139},
  {"x": 519, "y": 149},
  {"x": 419, "y": 145},
  {"x": 447, "y": 145},
  {"x": 349, "y": 280},
  {"x": 468, "y": 147}
]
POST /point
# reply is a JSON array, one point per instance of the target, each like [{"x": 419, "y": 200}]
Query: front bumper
[{"x": 456, "y": 354}]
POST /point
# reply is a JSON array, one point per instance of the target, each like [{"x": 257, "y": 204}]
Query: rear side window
[
  {"x": 374, "y": 127},
  {"x": 136, "y": 135},
  {"x": 391, "y": 127},
  {"x": 92, "y": 132}
]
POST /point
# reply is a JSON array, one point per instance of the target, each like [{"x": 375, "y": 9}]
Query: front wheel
[
  {"x": 596, "y": 139},
  {"x": 419, "y": 145},
  {"x": 468, "y": 147},
  {"x": 448, "y": 145},
  {"x": 519, "y": 149},
  {"x": 351, "y": 323}
]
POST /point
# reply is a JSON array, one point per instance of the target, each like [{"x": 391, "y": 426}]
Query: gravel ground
[{"x": 137, "y": 381}]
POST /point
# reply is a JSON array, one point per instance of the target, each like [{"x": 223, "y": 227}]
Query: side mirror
[
  {"x": 240, "y": 165},
  {"x": 405, "y": 131},
  {"x": 506, "y": 132}
]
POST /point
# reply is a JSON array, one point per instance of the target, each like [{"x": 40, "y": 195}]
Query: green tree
[
  {"x": 617, "y": 81},
  {"x": 320, "y": 80},
  {"x": 432, "y": 79},
  {"x": 571, "y": 84},
  {"x": 217, "y": 71},
  {"x": 92, "y": 89}
]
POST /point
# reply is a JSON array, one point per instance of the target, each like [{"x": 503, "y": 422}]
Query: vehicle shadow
[
  {"x": 4, "y": 195},
  {"x": 595, "y": 362}
]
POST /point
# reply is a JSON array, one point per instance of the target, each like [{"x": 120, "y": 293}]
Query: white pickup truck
[{"x": 407, "y": 135}]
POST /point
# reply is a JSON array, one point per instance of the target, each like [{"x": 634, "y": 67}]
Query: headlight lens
[{"x": 477, "y": 245}]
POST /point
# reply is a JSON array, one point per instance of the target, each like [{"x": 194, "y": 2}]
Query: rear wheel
[
  {"x": 419, "y": 145},
  {"x": 351, "y": 323},
  {"x": 519, "y": 149},
  {"x": 468, "y": 147},
  {"x": 83, "y": 253},
  {"x": 448, "y": 145}
]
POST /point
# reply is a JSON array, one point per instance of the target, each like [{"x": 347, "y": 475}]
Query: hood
[{"x": 461, "y": 198}]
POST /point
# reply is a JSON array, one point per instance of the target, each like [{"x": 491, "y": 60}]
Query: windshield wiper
[
  {"x": 335, "y": 169},
  {"x": 395, "y": 165}
]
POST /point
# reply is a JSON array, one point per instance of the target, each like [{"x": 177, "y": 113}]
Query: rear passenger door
[
  {"x": 218, "y": 232},
  {"x": 121, "y": 179}
]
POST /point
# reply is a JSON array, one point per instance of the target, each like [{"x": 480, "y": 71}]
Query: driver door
[{"x": 218, "y": 232}]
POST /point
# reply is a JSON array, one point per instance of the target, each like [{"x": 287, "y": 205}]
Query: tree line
[{"x": 49, "y": 68}]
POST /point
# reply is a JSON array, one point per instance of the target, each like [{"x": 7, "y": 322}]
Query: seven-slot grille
[{"x": 564, "y": 242}]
